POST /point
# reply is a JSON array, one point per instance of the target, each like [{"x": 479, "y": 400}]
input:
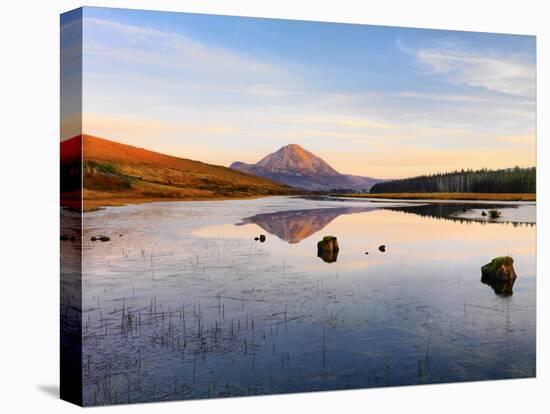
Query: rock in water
[
  {"x": 483, "y": 213},
  {"x": 327, "y": 249},
  {"x": 382, "y": 248},
  {"x": 494, "y": 214},
  {"x": 262, "y": 238},
  {"x": 500, "y": 275},
  {"x": 329, "y": 243},
  {"x": 501, "y": 288},
  {"x": 499, "y": 269},
  {"x": 104, "y": 238}
]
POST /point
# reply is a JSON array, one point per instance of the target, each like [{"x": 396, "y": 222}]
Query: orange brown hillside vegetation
[{"x": 117, "y": 174}]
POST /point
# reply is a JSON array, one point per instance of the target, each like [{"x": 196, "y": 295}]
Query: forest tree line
[{"x": 511, "y": 180}]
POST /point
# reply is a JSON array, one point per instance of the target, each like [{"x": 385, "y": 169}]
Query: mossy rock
[
  {"x": 501, "y": 288},
  {"x": 499, "y": 269},
  {"x": 329, "y": 243},
  {"x": 327, "y": 249}
]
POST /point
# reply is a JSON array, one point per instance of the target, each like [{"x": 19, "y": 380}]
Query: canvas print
[{"x": 264, "y": 206}]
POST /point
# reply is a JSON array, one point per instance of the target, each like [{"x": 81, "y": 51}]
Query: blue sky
[{"x": 370, "y": 100}]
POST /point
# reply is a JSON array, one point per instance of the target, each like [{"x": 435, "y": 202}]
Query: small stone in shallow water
[
  {"x": 262, "y": 238},
  {"x": 382, "y": 248},
  {"x": 256, "y": 238},
  {"x": 366, "y": 252},
  {"x": 483, "y": 213},
  {"x": 100, "y": 238}
]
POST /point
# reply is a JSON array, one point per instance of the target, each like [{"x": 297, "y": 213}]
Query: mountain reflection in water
[{"x": 296, "y": 225}]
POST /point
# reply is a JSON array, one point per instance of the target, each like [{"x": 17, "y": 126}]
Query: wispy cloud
[
  {"x": 471, "y": 98},
  {"x": 498, "y": 72},
  {"x": 174, "y": 53},
  {"x": 187, "y": 95}
]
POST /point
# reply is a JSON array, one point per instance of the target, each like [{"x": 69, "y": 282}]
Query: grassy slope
[
  {"x": 116, "y": 174},
  {"x": 450, "y": 196}
]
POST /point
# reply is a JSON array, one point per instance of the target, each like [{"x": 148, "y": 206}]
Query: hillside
[
  {"x": 511, "y": 180},
  {"x": 117, "y": 174},
  {"x": 297, "y": 167}
]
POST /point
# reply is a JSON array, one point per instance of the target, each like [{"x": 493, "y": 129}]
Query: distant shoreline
[
  {"x": 446, "y": 196},
  {"x": 90, "y": 205}
]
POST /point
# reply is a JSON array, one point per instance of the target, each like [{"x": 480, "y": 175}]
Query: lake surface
[{"x": 183, "y": 303}]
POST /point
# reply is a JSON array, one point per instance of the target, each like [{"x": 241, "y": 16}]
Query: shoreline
[{"x": 90, "y": 205}]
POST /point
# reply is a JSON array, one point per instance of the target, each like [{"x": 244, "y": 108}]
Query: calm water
[{"x": 183, "y": 303}]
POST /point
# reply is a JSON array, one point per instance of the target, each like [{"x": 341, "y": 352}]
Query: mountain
[
  {"x": 297, "y": 167},
  {"x": 116, "y": 173},
  {"x": 296, "y": 225}
]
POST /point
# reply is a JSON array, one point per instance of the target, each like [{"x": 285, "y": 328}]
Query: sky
[{"x": 377, "y": 101}]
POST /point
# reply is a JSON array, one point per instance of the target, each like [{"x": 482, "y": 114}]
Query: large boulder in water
[
  {"x": 501, "y": 288},
  {"x": 500, "y": 275},
  {"x": 327, "y": 249},
  {"x": 500, "y": 268}
]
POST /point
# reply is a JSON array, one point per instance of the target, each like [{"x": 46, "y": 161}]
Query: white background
[{"x": 29, "y": 235}]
